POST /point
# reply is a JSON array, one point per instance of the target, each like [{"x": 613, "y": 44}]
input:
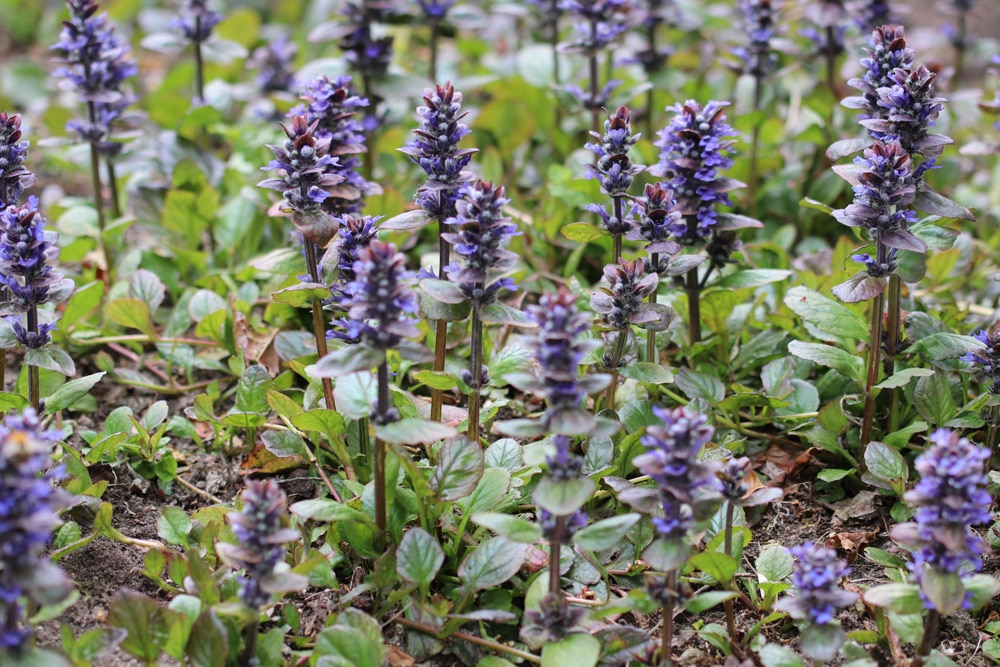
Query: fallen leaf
[
  {"x": 851, "y": 542},
  {"x": 399, "y": 658},
  {"x": 855, "y": 507},
  {"x": 262, "y": 462}
]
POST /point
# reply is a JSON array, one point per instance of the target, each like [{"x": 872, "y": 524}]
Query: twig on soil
[
  {"x": 201, "y": 492},
  {"x": 472, "y": 639}
]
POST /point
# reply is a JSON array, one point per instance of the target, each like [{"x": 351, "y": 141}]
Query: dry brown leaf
[{"x": 399, "y": 658}]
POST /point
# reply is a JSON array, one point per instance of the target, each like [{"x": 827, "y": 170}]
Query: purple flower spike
[
  {"x": 354, "y": 234},
  {"x": 276, "y": 64},
  {"x": 368, "y": 55},
  {"x": 600, "y": 23},
  {"x": 30, "y": 502},
  {"x": 950, "y": 499},
  {"x": 817, "y": 574},
  {"x": 26, "y": 254},
  {"x": 614, "y": 168},
  {"x": 887, "y": 51},
  {"x": 758, "y": 57},
  {"x": 621, "y": 302},
  {"x": 435, "y": 10},
  {"x": 988, "y": 359},
  {"x": 381, "y": 299},
  {"x": 694, "y": 148},
  {"x": 196, "y": 21},
  {"x": 307, "y": 171},
  {"x": 671, "y": 459},
  {"x": 262, "y": 540},
  {"x": 14, "y": 176},
  {"x": 658, "y": 218}
]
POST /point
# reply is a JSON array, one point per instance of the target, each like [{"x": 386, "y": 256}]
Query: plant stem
[
  {"x": 95, "y": 179},
  {"x": 651, "y": 352},
  {"x": 874, "y": 352},
  {"x": 199, "y": 65},
  {"x": 364, "y": 437},
  {"x": 319, "y": 326},
  {"x": 441, "y": 328},
  {"x": 667, "y": 634},
  {"x": 435, "y": 33},
  {"x": 616, "y": 357},
  {"x": 116, "y": 210},
  {"x": 555, "y": 551},
  {"x": 475, "y": 372},
  {"x": 249, "y": 658},
  {"x": 960, "y": 49},
  {"x": 378, "y": 470},
  {"x": 472, "y": 639},
  {"x": 728, "y": 604},
  {"x": 617, "y": 204},
  {"x": 892, "y": 339},
  {"x": 993, "y": 429},
  {"x": 831, "y": 63},
  {"x": 754, "y": 147},
  {"x": 930, "y": 635},
  {"x": 34, "y": 390},
  {"x": 694, "y": 306},
  {"x": 595, "y": 111}
]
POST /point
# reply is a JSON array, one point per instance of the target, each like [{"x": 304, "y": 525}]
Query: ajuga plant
[
  {"x": 434, "y": 12},
  {"x": 30, "y": 504},
  {"x": 196, "y": 22},
  {"x": 694, "y": 149},
  {"x": 275, "y": 65},
  {"x": 874, "y": 13},
  {"x": 816, "y": 577},
  {"x": 656, "y": 217},
  {"x": 551, "y": 11},
  {"x": 307, "y": 174},
  {"x": 598, "y": 24},
  {"x": 620, "y": 305},
  {"x": 381, "y": 304},
  {"x": 686, "y": 493},
  {"x": 332, "y": 105},
  {"x": 559, "y": 347},
  {"x": 959, "y": 35},
  {"x": 949, "y": 500},
  {"x": 653, "y": 57},
  {"x": 260, "y": 553},
  {"x": 95, "y": 63},
  {"x": 987, "y": 362},
  {"x": 759, "y": 61},
  {"x": 615, "y": 171},
  {"x": 827, "y": 32},
  {"x": 27, "y": 251},
  {"x": 481, "y": 232},
  {"x": 435, "y": 149}
]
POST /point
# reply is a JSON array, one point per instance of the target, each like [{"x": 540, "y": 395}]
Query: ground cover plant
[{"x": 562, "y": 332}]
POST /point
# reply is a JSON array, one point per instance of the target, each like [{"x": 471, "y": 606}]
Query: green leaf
[
  {"x": 511, "y": 527},
  {"x": 806, "y": 202},
  {"x": 982, "y": 587},
  {"x": 434, "y": 380},
  {"x": 173, "y": 526},
  {"x": 563, "y": 497},
  {"x": 774, "y": 564},
  {"x": 843, "y": 362},
  {"x": 720, "y": 566},
  {"x": 349, "y": 359},
  {"x": 605, "y": 533},
  {"x": 707, "y": 600},
  {"x": 144, "y": 620},
  {"x": 509, "y": 359},
  {"x": 645, "y": 371},
  {"x": 327, "y": 511},
  {"x": 283, "y": 405},
  {"x": 492, "y": 563},
  {"x": 505, "y": 453},
  {"x": 826, "y": 314},
  {"x": 132, "y": 314},
  {"x": 355, "y": 637},
  {"x": 51, "y": 357},
  {"x": 285, "y": 444},
  {"x": 489, "y": 492},
  {"x": 943, "y": 589},
  {"x": 419, "y": 557},
  {"x": 777, "y": 655},
  {"x": 667, "y": 555},
  {"x": 900, "y": 598},
  {"x": 822, "y": 642},
  {"x": 71, "y": 392},
  {"x": 320, "y": 420},
  {"x": 700, "y": 385},
  {"x": 208, "y": 643},
  {"x": 903, "y": 377},
  {"x": 36, "y": 657},
  {"x": 148, "y": 288},
  {"x": 940, "y": 346},
  {"x": 251, "y": 407},
  {"x": 887, "y": 465},
  {"x": 931, "y": 202},
  {"x": 578, "y": 650},
  {"x": 356, "y": 395},
  {"x": 582, "y": 232},
  {"x": 752, "y": 278},
  {"x": 458, "y": 470},
  {"x": 301, "y": 294},
  {"x": 933, "y": 399},
  {"x": 414, "y": 432},
  {"x": 501, "y": 313}
]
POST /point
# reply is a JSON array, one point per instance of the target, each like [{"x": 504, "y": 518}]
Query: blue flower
[
  {"x": 14, "y": 176},
  {"x": 658, "y": 218},
  {"x": 368, "y": 55},
  {"x": 435, "y": 9},
  {"x": 26, "y": 254},
  {"x": 601, "y": 22},
  {"x": 614, "y": 168},
  {"x": 307, "y": 171},
  {"x": 989, "y": 358},
  {"x": 261, "y": 541},
  {"x": 887, "y": 51},
  {"x": 276, "y": 64},
  {"x": 620, "y": 303},
  {"x": 381, "y": 299},
  {"x": 196, "y": 21},
  {"x": 354, "y": 234},
  {"x": 758, "y": 57},
  {"x": 694, "y": 148},
  {"x": 816, "y": 575}
]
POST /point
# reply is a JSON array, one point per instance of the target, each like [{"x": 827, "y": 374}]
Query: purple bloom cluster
[
  {"x": 26, "y": 254},
  {"x": 307, "y": 170},
  {"x": 434, "y": 147},
  {"x": 653, "y": 13},
  {"x": 14, "y": 176},
  {"x": 96, "y": 63},
  {"x": 332, "y": 105},
  {"x": 829, "y": 43},
  {"x": 657, "y": 218},
  {"x": 988, "y": 359},
  {"x": 621, "y": 302},
  {"x": 435, "y": 10},
  {"x": 694, "y": 148},
  {"x": 874, "y": 13},
  {"x": 671, "y": 459},
  {"x": 732, "y": 478},
  {"x": 600, "y": 22},
  {"x": 552, "y": 621},
  {"x": 576, "y": 521},
  {"x": 950, "y": 499},
  {"x": 380, "y": 299},
  {"x": 196, "y": 21},
  {"x": 30, "y": 502},
  {"x": 887, "y": 52},
  {"x": 355, "y": 233},
  {"x": 759, "y": 60},
  {"x": 885, "y": 189},
  {"x": 369, "y": 56},
  {"x": 481, "y": 231},
  {"x": 275, "y": 62},
  {"x": 816, "y": 575},
  {"x": 262, "y": 541},
  {"x": 614, "y": 168}
]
